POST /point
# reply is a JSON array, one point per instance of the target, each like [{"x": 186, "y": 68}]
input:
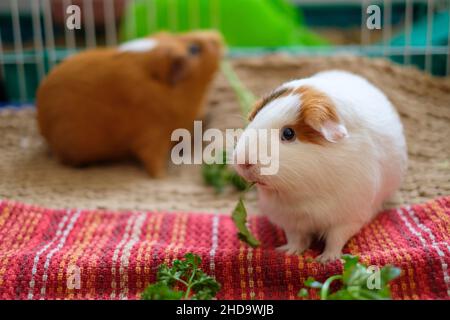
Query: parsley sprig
[
  {"x": 185, "y": 280},
  {"x": 186, "y": 273},
  {"x": 355, "y": 282}
]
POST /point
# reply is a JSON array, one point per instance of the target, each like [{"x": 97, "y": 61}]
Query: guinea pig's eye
[
  {"x": 194, "y": 49},
  {"x": 287, "y": 134}
]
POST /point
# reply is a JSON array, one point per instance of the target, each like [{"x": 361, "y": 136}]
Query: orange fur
[
  {"x": 105, "y": 104},
  {"x": 316, "y": 108}
]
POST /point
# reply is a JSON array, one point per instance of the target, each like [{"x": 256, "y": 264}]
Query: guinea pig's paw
[
  {"x": 326, "y": 257},
  {"x": 291, "y": 249}
]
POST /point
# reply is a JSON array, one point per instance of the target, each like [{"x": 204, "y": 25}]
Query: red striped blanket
[{"x": 87, "y": 254}]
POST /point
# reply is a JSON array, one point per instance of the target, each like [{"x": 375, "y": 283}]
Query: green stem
[
  {"x": 188, "y": 292},
  {"x": 189, "y": 285},
  {"x": 245, "y": 96},
  {"x": 182, "y": 281},
  {"x": 326, "y": 286},
  {"x": 249, "y": 187},
  {"x": 370, "y": 295}
]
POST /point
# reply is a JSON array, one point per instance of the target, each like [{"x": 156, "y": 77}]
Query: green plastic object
[{"x": 243, "y": 23}]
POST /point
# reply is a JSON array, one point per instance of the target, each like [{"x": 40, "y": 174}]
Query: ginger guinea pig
[
  {"x": 342, "y": 152},
  {"x": 107, "y": 104}
]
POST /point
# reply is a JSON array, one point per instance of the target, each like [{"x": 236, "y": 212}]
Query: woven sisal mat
[
  {"x": 116, "y": 254},
  {"x": 28, "y": 173}
]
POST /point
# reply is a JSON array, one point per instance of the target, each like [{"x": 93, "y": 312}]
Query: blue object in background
[{"x": 418, "y": 39}]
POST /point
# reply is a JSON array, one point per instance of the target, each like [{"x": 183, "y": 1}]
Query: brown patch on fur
[
  {"x": 261, "y": 103},
  {"x": 105, "y": 104},
  {"x": 316, "y": 108}
]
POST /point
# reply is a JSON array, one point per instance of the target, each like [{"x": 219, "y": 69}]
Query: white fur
[
  {"x": 277, "y": 113},
  {"x": 332, "y": 190},
  {"x": 138, "y": 45}
]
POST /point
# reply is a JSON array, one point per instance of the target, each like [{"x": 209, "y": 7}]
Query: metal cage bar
[
  {"x": 387, "y": 26},
  {"x": 71, "y": 43},
  {"x": 428, "y": 50},
  {"x": 37, "y": 40},
  {"x": 48, "y": 32},
  {"x": 47, "y": 47},
  {"x": 89, "y": 20},
  {"x": 408, "y": 31},
  {"x": 110, "y": 24},
  {"x": 364, "y": 30},
  {"x": 18, "y": 49}
]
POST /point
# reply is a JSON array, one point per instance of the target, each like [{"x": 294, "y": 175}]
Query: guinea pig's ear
[
  {"x": 332, "y": 131},
  {"x": 170, "y": 68},
  {"x": 319, "y": 113},
  {"x": 178, "y": 69}
]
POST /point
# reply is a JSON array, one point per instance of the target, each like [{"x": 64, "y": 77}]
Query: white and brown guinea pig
[
  {"x": 342, "y": 153},
  {"x": 106, "y": 104}
]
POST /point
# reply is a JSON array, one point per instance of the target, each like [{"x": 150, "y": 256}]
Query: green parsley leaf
[
  {"x": 185, "y": 273},
  {"x": 239, "y": 217},
  {"x": 160, "y": 291},
  {"x": 357, "y": 282},
  {"x": 303, "y": 293}
]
